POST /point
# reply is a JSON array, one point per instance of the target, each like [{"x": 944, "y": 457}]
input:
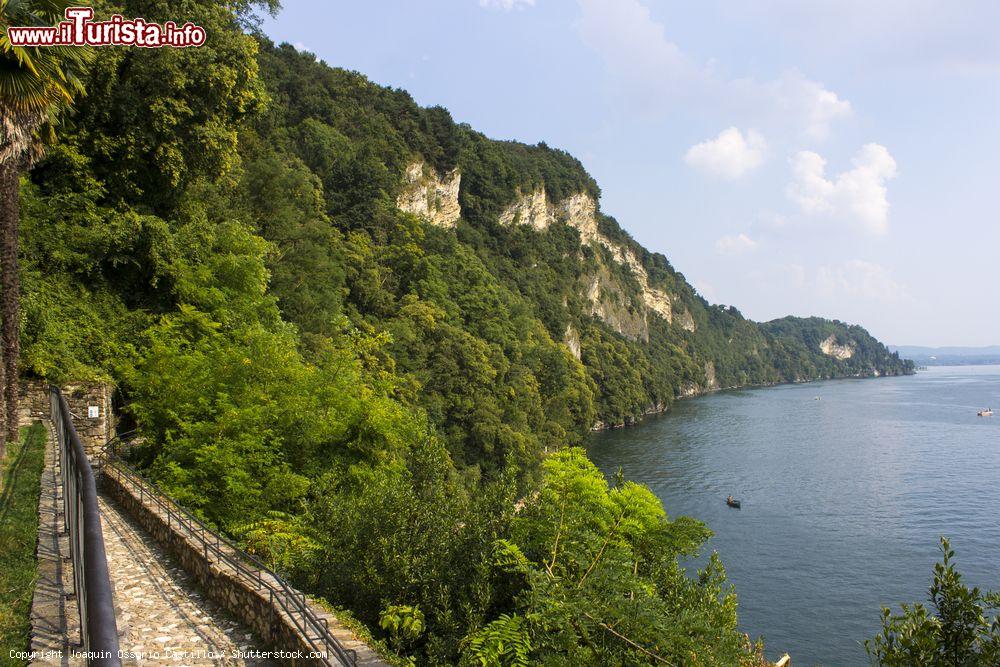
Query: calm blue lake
[{"x": 844, "y": 498}]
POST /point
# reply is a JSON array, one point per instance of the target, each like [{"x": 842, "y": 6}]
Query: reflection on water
[{"x": 844, "y": 497}]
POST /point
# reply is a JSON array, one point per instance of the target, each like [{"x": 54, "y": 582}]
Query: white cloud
[
  {"x": 729, "y": 155},
  {"x": 735, "y": 245},
  {"x": 640, "y": 59},
  {"x": 813, "y": 106},
  {"x": 655, "y": 73},
  {"x": 834, "y": 287},
  {"x": 860, "y": 279},
  {"x": 624, "y": 33},
  {"x": 857, "y": 197},
  {"x": 506, "y": 5}
]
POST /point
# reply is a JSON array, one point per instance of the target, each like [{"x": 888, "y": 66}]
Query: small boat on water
[
  {"x": 988, "y": 412},
  {"x": 732, "y": 502}
]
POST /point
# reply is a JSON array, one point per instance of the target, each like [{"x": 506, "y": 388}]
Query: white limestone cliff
[
  {"x": 434, "y": 197},
  {"x": 531, "y": 209},
  {"x": 830, "y": 348},
  {"x": 580, "y": 212},
  {"x": 572, "y": 340},
  {"x": 431, "y": 196}
]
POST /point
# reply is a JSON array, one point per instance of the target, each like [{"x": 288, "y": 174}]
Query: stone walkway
[
  {"x": 163, "y": 618},
  {"x": 55, "y": 620}
]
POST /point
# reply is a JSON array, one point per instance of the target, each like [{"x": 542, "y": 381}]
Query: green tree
[
  {"x": 404, "y": 623},
  {"x": 280, "y": 540},
  {"x": 158, "y": 120},
  {"x": 600, "y": 582},
  {"x": 962, "y": 628}
]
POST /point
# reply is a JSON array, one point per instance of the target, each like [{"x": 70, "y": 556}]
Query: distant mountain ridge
[{"x": 949, "y": 355}]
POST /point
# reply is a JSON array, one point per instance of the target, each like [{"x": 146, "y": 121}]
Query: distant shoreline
[
  {"x": 601, "y": 427},
  {"x": 955, "y": 362},
  {"x": 987, "y": 355}
]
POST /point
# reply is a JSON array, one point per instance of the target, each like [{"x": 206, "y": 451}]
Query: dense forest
[{"x": 387, "y": 409}]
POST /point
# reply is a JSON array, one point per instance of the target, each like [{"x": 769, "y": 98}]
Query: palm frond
[{"x": 36, "y": 83}]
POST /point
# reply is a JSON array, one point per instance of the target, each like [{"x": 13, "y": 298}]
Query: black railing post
[{"x": 92, "y": 584}]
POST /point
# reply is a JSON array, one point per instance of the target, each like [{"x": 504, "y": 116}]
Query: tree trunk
[{"x": 10, "y": 304}]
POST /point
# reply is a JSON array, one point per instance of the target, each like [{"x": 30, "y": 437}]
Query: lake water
[{"x": 844, "y": 498}]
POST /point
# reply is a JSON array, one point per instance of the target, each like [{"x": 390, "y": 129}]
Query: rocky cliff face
[
  {"x": 531, "y": 209},
  {"x": 580, "y": 212},
  {"x": 711, "y": 382},
  {"x": 611, "y": 304},
  {"x": 537, "y": 210},
  {"x": 572, "y": 340},
  {"x": 431, "y": 196},
  {"x": 830, "y": 348},
  {"x": 435, "y": 198}
]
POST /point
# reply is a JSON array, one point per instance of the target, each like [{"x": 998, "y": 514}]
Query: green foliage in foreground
[
  {"x": 596, "y": 581},
  {"x": 961, "y": 629},
  {"x": 18, "y": 533}
]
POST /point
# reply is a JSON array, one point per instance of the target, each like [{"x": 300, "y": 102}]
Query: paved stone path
[
  {"x": 163, "y": 617},
  {"x": 55, "y": 620}
]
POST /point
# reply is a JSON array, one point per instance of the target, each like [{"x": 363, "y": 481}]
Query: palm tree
[{"x": 36, "y": 85}]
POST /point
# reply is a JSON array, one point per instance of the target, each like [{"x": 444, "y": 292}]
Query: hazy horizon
[{"x": 832, "y": 159}]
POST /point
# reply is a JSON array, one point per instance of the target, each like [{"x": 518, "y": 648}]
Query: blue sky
[{"x": 824, "y": 158}]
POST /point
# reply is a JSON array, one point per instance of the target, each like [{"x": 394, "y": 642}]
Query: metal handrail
[
  {"x": 91, "y": 583},
  {"x": 293, "y": 602}
]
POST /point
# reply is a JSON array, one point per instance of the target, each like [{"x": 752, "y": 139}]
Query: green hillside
[{"x": 582, "y": 278}]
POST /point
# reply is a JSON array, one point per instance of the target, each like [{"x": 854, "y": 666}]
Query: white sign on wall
[{"x": 93, "y": 411}]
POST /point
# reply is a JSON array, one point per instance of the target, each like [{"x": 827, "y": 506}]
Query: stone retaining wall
[
  {"x": 89, "y": 403},
  {"x": 237, "y": 592}
]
